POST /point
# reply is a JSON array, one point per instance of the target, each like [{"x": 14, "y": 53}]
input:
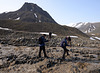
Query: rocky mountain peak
[
  {"x": 29, "y": 7},
  {"x": 29, "y": 12}
]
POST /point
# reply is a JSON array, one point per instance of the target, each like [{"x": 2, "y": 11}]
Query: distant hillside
[
  {"x": 41, "y": 27},
  {"x": 88, "y": 27}
]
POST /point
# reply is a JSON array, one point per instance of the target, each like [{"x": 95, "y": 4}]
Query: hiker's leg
[
  {"x": 40, "y": 51},
  {"x": 44, "y": 51},
  {"x": 64, "y": 53},
  {"x": 67, "y": 51}
]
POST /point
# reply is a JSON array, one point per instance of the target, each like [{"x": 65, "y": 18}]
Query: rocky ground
[
  {"x": 23, "y": 59},
  {"x": 19, "y": 54},
  {"x": 20, "y": 38}
]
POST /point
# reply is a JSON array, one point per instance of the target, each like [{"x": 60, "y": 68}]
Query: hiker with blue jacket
[
  {"x": 63, "y": 45},
  {"x": 42, "y": 41}
]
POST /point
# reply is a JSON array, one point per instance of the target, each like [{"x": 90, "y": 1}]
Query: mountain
[
  {"x": 29, "y": 12},
  {"x": 31, "y": 18},
  {"x": 88, "y": 27}
]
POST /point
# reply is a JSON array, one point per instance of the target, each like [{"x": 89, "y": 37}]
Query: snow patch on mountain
[
  {"x": 47, "y": 33},
  {"x": 80, "y": 24},
  {"x": 74, "y": 36},
  {"x": 92, "y": 38},
  {"x": 17, "y": 18},
  {"x": 5, "y": 28},
  {"x": 39, "y": 20},
  {"x": 97, "y": 38},
  {"x": 35, "y": 15}
]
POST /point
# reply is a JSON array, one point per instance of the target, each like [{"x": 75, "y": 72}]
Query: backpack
[
  {"x": 40, "y": 40},
  {"x": 62, "y": 44}
]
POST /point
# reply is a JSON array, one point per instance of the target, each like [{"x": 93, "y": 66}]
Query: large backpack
[
  {"x": 62, "y": 44},
  {"x": 40, "y": 40}
]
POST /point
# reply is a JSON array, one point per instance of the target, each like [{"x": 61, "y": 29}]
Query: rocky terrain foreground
[
  {"x": 23, "y": 59},
  {"x": 19, "y": 54}
]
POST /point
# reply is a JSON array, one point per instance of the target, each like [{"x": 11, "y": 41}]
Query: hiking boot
[
  {"x": 39, "y": 57},
  {"x": 46, "y": 57},
  {"x": 63, "y": 58},
  {"x": 68, "y": 54}
]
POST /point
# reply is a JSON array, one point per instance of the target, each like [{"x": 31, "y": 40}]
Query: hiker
[
  {"x": 63, "y": 45},
  {"x": 42, "y": 41},
  {"x": 69, "y": 40},
  {"x": 50, "y": 35}
]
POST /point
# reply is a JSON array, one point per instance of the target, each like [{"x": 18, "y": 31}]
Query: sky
[{"x": 64, "y": 12}]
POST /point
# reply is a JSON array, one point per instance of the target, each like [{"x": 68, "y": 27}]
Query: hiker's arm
[
  {"x": 46, "y": 40},
  {"x": 66, "y": 44}
]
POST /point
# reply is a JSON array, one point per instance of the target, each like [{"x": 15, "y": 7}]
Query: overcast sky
[{"x": 62, "y": 11}]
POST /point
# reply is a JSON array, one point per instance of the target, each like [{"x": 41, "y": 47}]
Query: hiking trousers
[
  {"x": 42, "y": 48},
  {"x": 65, "y": 50}
]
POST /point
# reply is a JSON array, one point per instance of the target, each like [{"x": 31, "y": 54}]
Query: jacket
[
  {"x": 64, "y": 43},
  {"x": 43, "y": 41}
]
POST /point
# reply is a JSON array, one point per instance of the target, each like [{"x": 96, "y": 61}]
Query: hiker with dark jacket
[
  {"x": 42, "y": 41},
  {"x": 63, "y": 45}
]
